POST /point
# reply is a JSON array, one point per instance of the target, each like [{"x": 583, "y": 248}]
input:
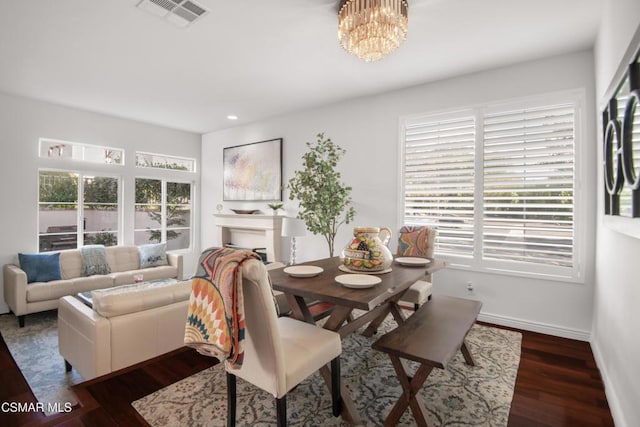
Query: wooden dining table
[{"x": 372, "y": 305}]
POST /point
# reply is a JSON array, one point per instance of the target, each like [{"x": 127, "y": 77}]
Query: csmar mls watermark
[{"x": 36, "y": 407}]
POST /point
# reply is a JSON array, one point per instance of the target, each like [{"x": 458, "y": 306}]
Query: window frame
[
  {"x": 80, "y": 232},
  {"x": 163, "y": 208},
  {"x": 476, "y": 262}
]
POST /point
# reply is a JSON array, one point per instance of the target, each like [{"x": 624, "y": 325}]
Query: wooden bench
[{"x": 431, "y": 337}]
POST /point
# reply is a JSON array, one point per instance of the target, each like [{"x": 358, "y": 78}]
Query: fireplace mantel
[{"x": 251, "y": 231}]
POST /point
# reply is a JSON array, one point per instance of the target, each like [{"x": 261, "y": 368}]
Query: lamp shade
[{"x": 293, "y": 227}]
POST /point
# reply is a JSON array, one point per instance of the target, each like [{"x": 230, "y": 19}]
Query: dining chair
[
  {"x": 279, "y": 352},
  {"x": 417, "y": 241}
]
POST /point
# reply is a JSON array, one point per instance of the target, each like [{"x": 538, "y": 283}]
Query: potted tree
[{"x": 325, "y": 202}]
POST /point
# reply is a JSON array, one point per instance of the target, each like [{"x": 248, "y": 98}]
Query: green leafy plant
[
  {"x": 325, "y": 202},
  {"x": 275, "y": 206}
]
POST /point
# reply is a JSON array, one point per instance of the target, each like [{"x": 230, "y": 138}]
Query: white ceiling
[{"x": 259, "y": 58}]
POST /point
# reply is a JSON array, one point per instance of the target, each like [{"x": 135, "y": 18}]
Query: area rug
[
  {"x": 35, "y": 350},
  {"x": 459, "y": 396}
]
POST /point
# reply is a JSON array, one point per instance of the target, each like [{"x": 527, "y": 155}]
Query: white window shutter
[
  {"x": 439, "y": 180},
  {"x": 528, "y": 194}
]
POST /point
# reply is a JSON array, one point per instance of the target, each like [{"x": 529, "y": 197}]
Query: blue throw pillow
[
  {"x": 153, "y": 255},
  {"x": 41, "y": 267}
]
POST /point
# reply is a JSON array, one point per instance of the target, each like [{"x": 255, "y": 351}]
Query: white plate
[
  {"x": 358, "y": 281},
  {"x": 413, "y": 261},
  {"x": 303, "y": 270},
  {"x": 349, "y": 270}
]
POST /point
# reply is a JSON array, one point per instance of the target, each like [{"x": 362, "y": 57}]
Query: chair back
[
  {"x": 416, "y": 241},
  {"x": 263, "y": 363}
]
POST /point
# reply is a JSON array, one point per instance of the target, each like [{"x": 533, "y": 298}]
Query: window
[
  {"x": 438, "y": 179},
  {"x": 162, "y": 161},
  {"x": 498, "y": 182},
  {"x": 76, "y": 207},
  {"x": 163, "y": 213},
  {"x": 53, "y": 148}
]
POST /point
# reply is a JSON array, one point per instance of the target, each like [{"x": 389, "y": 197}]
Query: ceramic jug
[{"x": 368, "y": 251}]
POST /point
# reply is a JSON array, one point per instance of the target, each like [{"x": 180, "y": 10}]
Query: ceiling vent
[{"x": 179, "y": 12}]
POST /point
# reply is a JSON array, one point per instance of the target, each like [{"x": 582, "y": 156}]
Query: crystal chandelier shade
[{"x": 371, "y": 29}]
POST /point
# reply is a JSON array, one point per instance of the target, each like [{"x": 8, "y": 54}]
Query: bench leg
[
  {"x": 468, "y": 358},
  {"x": 410, "y": 397}
]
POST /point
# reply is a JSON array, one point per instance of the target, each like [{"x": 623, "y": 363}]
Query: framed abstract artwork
[{"x": 253, "y": 172}]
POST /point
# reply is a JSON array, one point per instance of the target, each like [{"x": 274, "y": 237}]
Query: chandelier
[{"x": 371, "y": 29}]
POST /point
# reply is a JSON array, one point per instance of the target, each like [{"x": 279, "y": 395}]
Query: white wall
[
  {"x": 615, "y": 338},
  {"x": 23, "y": 121},
  {"x": 368, "y": 129}
]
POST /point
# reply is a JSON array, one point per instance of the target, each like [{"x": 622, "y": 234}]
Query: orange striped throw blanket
[{"x": 215, "y": 319}]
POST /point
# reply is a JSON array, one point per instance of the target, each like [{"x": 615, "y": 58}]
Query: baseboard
[
  {"x": 612, "y": 397},
  {"x": 542, "y": 328}
]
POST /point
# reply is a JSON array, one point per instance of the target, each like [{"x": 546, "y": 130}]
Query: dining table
[{"x": 354, "y": 305}]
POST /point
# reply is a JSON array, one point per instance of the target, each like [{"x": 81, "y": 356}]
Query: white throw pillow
[{"x": 153, "y": 255}]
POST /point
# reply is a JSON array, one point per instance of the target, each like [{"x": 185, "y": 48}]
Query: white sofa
[
  {"x": 124, "y": 261},
  {"x": 125, "y": 326}
]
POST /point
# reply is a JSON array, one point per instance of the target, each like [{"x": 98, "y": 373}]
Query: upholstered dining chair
[
  {"x": 279, "y": 352},
  {"x": 417, "y": 241}
]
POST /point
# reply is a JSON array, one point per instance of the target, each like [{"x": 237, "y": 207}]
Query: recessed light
[{"x": 232, "y": 117}]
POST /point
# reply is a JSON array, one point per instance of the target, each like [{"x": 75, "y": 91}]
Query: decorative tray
[
  {"x": 348, "y": 270},
  {"x": 245, "y": 211}
]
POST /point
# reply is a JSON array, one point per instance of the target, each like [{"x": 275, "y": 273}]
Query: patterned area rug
[
  {"x": 460, "y": 396},
  {"x": 35, "y": 350}
]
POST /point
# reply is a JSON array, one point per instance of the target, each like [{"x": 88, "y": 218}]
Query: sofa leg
[
  {"x": 21, "y": 320},
  {"x": 67, "y": 366}
]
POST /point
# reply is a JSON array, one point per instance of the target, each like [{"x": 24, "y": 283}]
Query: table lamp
[{"x": 293, "y": 227}]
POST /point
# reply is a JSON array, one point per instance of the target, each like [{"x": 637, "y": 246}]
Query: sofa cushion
[
  {"x": 138, "y": 297},
  {"x": 123, "y": 258},
  {"x": 40, "y": 267},
  {"x": 94, "y": 260},
  {"x": 153, "y": 255},
  {"x": 70, "y": 263},
  {"x": 46, "y": 291}
]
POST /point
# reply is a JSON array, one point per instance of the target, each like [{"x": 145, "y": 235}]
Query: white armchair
[{"x": 279, "y": 353}]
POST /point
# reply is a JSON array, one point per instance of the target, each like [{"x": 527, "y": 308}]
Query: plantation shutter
[
  {"x": 439, "y": 180},
  {"x": 528, "y": 194}
]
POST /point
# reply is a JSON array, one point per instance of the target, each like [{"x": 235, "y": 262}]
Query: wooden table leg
[
  {"x": 338, "y": 316},
  {"x": 397, "y": 313},
  {"x": 410, "y": 389},
  {"x": 300, "y": 308},
  {"x": 395, "y": 310}
]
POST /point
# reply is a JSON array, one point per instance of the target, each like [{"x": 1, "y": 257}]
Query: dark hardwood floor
[{"x": 558, "y": 384}]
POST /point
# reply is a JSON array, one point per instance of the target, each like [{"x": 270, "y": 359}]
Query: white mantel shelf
[{"x": 267, "y": 230}]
